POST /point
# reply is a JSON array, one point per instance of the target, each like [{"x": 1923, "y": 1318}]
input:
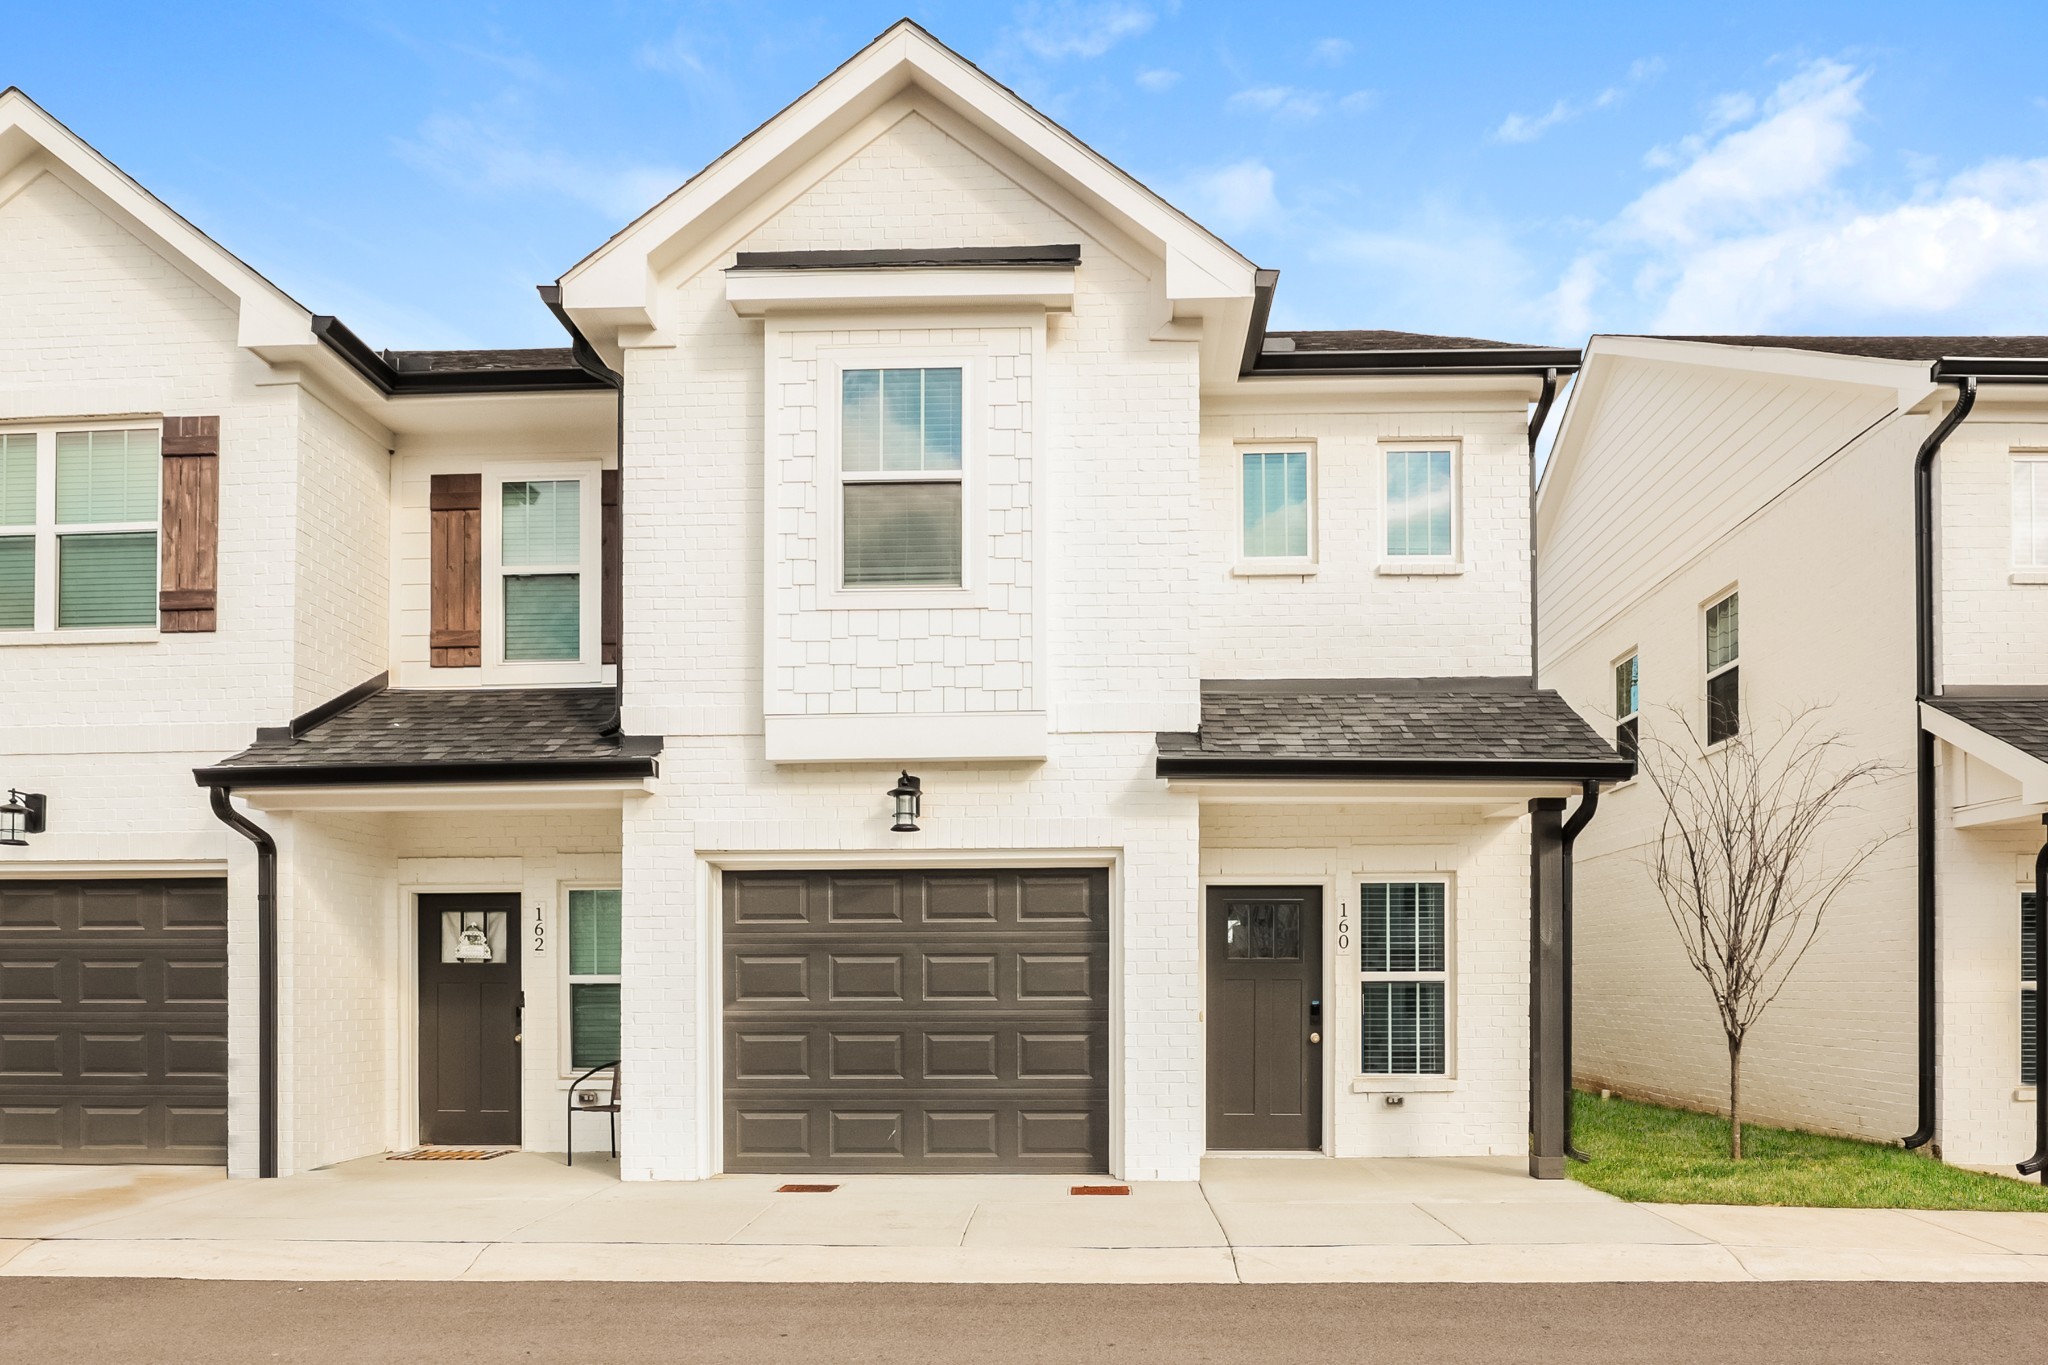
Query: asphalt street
[{"x": 51, "y": 1321}]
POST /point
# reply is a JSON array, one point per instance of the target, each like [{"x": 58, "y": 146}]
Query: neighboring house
[
  {"x": 930, "y": 683},
  {"x": 1727, "y": 532}
]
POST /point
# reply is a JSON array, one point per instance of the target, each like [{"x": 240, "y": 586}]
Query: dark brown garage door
[
  {"x": 114, "y": 1021},
  {"x": 927, "y": 1021}
]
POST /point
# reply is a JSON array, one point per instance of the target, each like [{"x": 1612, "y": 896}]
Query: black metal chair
[{"x": 569, "y": 1129}]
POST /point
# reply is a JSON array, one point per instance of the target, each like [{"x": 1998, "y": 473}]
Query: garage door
[
  {"x": 114, "y": 1021},
  {"x": 917, "y": 1021}
]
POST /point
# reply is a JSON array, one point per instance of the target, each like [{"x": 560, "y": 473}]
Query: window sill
[
  {"x": 2029, "y": 576},
  {"x": 2023, "y": 1094},
  {"x": 1403, "y": 1085},
  {"x": 1394, "y": 568},
  {"x": 1278, "y": 568},
  {"x": 122, "y": 635}
]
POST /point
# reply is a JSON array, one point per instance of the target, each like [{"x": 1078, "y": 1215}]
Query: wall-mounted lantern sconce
[
  {"x": 22, "y": 813},
  {"x": 909, "y": 795}
]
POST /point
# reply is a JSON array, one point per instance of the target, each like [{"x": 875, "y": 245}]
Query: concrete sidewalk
[{"x": 526, "y": 1217}]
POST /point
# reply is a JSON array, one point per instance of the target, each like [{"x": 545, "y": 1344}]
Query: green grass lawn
[{"x": 1650, "y": 1154}]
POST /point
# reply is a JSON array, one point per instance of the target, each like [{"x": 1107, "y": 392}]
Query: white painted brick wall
[
  {"x": 1990, "y": 627},
  {"x": 343, "y": 608}
]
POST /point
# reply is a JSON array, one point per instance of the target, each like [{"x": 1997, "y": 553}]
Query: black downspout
[
  {"x": 1536, "y": 420},
  {"x": 2037, "y": 1164},
  {"x": 1924, "y": 686},
  {"x": 1588, "y": 803},
  {"x": 266, "y": 976}
]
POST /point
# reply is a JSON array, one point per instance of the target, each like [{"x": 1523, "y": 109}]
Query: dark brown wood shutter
[
  {"x": 457, "y": 578},
  {"x": 614, "y": 564},
  {"x": 188, "y": 583}
]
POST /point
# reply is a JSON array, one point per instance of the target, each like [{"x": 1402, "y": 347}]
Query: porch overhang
[{"x": 2005, "y": 730}]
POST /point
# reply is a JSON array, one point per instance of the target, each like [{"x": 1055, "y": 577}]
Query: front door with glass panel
[
  {"x": 1265, "y": 1018},
  {"x": 469, "y": 1020}
]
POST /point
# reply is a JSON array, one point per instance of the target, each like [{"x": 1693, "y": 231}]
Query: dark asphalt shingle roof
[
  {"x": 1394, "y": 341},
  {"x": 482, "y": 362},
  {"x": 1892, "y": 348},
  {"x": 1468, "y": 727},
  {"x": 451, "y": 735},
  {"x": 2020, "y": 721}
]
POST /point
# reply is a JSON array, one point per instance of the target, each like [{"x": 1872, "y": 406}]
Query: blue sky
[{"x": 1529, "y": 173}]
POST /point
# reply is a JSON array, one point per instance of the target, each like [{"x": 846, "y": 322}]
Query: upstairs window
[
  {"x": 1276, "y": 505},
  {"x": 901, "y": 475},
  {"x": 1421, "y": 504},
  {"x": 1627, "y": 705},
  {"x": 1724, "y": 670},
  {"x": 541, "y": 529},
  {"x": 537, "y": 583},
  {"x": 79, "y": 515},
  {"x": 2030, "y": 512},
  {"x": 1404, "y": 977}
]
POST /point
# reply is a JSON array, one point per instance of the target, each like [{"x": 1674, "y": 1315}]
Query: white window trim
[
  {"x": 1411, "y": 1081},
  {"x": 1710, "y": 672},
  {"x": 1635, "y": 715},
  {"x": 1393, "y": 565},
  {"x": 971, "y": 359},
  {"x": 587, "y": 667},
  {"x": 46, "y": 631},
  {"x": 1275, "y": 566},
  {"x": 2028, "y": 570},
  {"x": 566, "y": 1015}
]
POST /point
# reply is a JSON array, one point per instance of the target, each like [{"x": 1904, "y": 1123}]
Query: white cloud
[
  {"x": 481, "y": 156},
  {"x": 1281, "y": 101},
  {"x": 1233, "y": 198},
  {"x": 1529, "y": 127},
  {"x": 1330, "y": 52},
  {"x": 1057, "y": 29},
  {"x": 1157, "y": 79}
]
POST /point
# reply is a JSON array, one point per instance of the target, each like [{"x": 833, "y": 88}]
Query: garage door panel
[
  {"x": 951, "y": 1020},
  {"x": 113, "y": 1021}
]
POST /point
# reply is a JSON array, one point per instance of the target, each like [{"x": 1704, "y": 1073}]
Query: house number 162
[{"x": 540, "y": 931}]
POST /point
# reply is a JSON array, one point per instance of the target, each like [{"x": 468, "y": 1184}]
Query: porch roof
[
  {"x": 1484, "y": 728},
  {"x": 2018, "y": 720},
  {"x": 376, "y": 735}
]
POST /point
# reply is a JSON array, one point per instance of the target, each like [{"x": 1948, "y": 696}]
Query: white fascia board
[
  {"x": 758, "y": 293},
  {"x": 999, "y": 737},
  {"x": 1501, "y": 799},
  {"x": 267, "y": 316},
  {"x": 2022, "y": 767},
  {"x": 599, "y": 795},
  {"x": 615, "y": 284}
]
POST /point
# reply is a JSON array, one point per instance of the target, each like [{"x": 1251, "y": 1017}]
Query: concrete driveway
[{"x": 526, "y": 1217}]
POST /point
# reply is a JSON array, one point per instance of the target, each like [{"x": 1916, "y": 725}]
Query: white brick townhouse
[
  {"x": 1739, "y": 527},
  {"x": 927, "y": 682}
]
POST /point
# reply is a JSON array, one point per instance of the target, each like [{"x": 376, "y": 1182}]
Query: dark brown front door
[
  {"x": 469, "y": 1023},
  {"x": 1265, "y": 1012}
]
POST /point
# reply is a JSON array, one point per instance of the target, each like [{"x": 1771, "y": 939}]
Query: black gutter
[
  {"x": 1403, "y": 770},
  {"x": 1058, "y": 256},
  {"x": 393, "y": 382},
  {"x": 427, "y": 774},
  {"x": 1264, "y": 282},
  {"x": 2037, "y": 1164},
  {"x": 1589, "y": 802},
  {"x": 1924, "y": 776},
  {"x": 1536, "y": 420},
  {"x": 1993, "y": 369},
  {"x": 266, "y": 976}
]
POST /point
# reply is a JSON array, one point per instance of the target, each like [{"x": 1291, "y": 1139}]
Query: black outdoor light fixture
[
  {"x": 23, "y": 813},
  {"x": 909, "y": 794}
]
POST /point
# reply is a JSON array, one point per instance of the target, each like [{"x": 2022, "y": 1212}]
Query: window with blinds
[
  {"x": 1276, "y": 504},
  {"x": 541, "y": 550},
  {"x": 2030, "y": 994},
  {"x": 1421, "y": 502},
  {"x": 79, "y": 521},
  {"x": 2030, "y": 512},
  {"x": 1627, "y": 704},
  {"x": 593, "y": 1015},
  {"x": 1404, "y": 977},
  {"x": 901, "y": 458},
  {"x": 1724, "y": 672}
]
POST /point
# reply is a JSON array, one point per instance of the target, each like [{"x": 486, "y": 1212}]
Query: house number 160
[{"x": 1343, "y": 927}]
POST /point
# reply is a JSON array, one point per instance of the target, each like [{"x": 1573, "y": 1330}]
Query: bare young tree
[{"x": 1744, "y": 864}]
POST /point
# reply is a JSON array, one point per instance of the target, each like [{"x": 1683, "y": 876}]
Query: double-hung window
[
  {"x": 542, "y": 578},
  {"x": 1724, "y": 669},
  {"x": 1277, "y": 519},
  {"x": 1421, "y": 505},
  {"x": 2030, "y": 994},
  {"x": 901, "y": 472},
  {"x": 1404, "y": 977},
  {"x": 1627, "y": 707},
  {"x": 593, "y": 978},
  {"x": 79, "y": 509},
  {"x": 2030, "y": 512}
]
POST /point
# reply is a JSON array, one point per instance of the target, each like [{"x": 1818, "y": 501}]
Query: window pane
[
  {"x": 1724, "y": 631},
  {"x": 593, "y": 1024},
  {"x": 17, "y": 478},
  {"x": 2030, "y": 514},
  {"x": 107, "y": 580},
  {"x": 2030, "y": 1064},
  {"x": 1625, "y": 687},
  {"x": 1628, "y": 739},
  {"x": 2027, "y": 936},
  {"x": 17, "y": 582},
  {"x": 1276, "y": 504},
  {"x": 860, "y": 420},
  {"x": 1403, "y": 1028},
  {"x": 942, "y": 419},
  {"x": 1724, "y": 706},
  {"x": 1401, "y": 927},
  {"x": 105, "y": 476},
  {"x": 543, "y": 522},
  {"x": 903, "y": 419},
  {"x": 543, "y": 617},
  {"x": 593, "y": 933},
  {"x": 902, "y": 533},
  {"x": 1419, "y": 502}
]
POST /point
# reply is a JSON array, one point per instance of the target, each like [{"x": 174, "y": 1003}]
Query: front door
[
  {"x": 469, "y": 1020},
  {"x": 1265, "y": 1018}
]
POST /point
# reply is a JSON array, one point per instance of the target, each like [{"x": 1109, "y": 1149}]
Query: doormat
[
  {"x": 805, "y": 1189},
  {"x": 449, "y": 1154},
  {"x": 1100, "y": 1189}
]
